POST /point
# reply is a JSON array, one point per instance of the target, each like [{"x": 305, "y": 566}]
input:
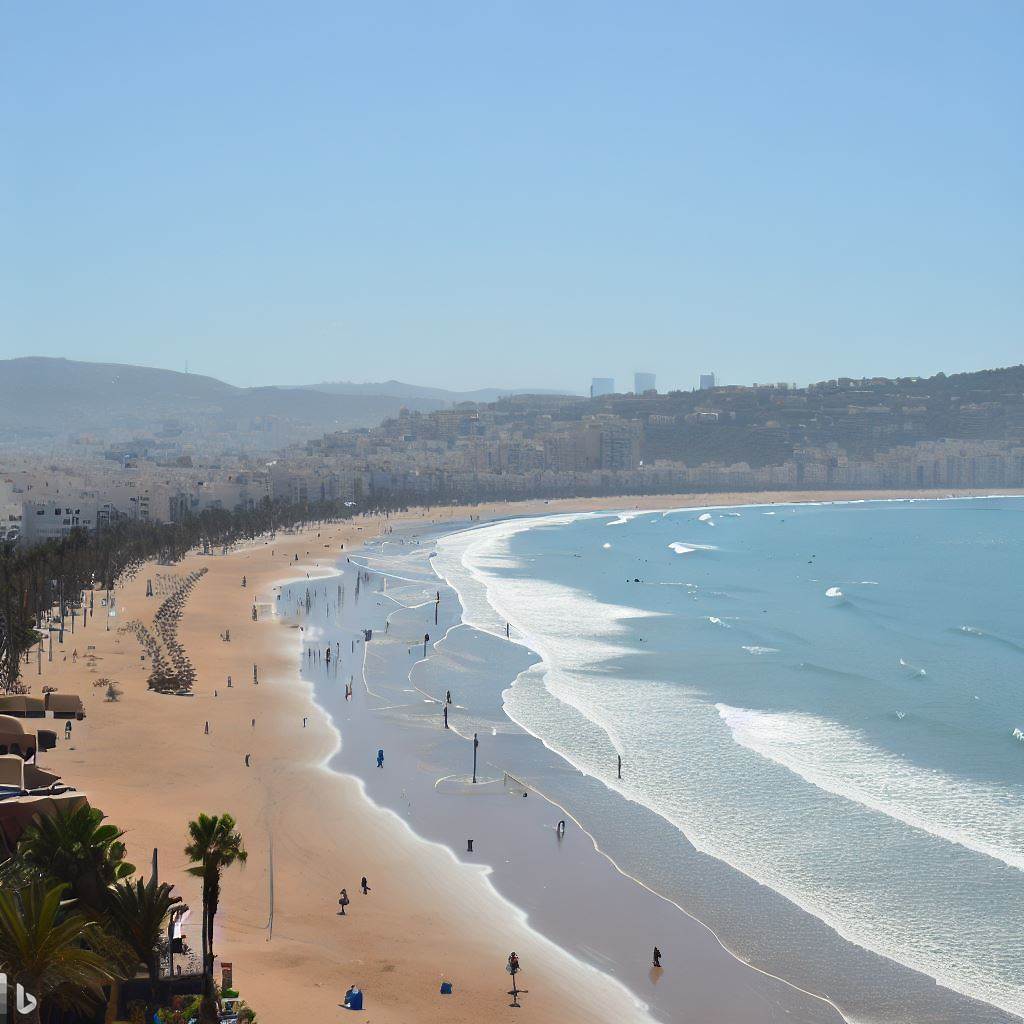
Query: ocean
[
  {"x": 826, "y": 698},
  {"x": 818, "y": 713}
]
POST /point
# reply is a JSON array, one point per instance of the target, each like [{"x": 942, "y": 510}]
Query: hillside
[{"x": 44, "y": 400}]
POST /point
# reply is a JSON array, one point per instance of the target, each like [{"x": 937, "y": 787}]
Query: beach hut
[
  {"x": 18, "y": 812},
  {"x": 40, "y": 782},
  {"x": 15, "y": 738},
  {"x": 12, "y": 775},
  {"x": 18, "y": 779},
  {"x": 65, "y": 705},
  {"x": 22, "y": 706}
]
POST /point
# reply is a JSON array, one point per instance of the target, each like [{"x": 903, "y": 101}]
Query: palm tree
[
  {"x": 138, "y": 912},
  {"x": 42, "y": 948},
  {"x": 77, "y": 848},
  {"x": 215, "y": 845}
]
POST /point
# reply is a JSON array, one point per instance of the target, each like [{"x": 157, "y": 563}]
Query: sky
[{"x": 519, "y": 195}]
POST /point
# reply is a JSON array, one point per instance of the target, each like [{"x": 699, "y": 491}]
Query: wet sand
[{"x": 570, "y": 891}]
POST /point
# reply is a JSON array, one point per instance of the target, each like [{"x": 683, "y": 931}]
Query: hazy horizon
[
  {"x": 624, "y": 385},
  {"x": 529, "y": 197}
]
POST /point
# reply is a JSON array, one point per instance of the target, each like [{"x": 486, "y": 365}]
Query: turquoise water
[{"x": 821, "y": 697}]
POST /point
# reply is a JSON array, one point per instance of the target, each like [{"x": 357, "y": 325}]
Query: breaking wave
[
  {"x": 987, "y": 819},
  {"x": 688, "y": 547}
]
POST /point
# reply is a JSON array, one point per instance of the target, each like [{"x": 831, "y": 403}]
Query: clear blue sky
[{"x": 514, "y": 194}]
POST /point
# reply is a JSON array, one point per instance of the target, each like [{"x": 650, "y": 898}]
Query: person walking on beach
[
  {"x": 364, "y": 885},
  {"x": 248, "y": 760},
  {"x": 513, "y": 968},
  {"x": 343, "y": 901},
  {"x": 206, "y": 730},
  {"x": 254, "y": 723},
  {"x": 656, "y": 958},
  {"x": 446, "y": 716},
  {"x": 380, "y": 758},
  {"x": 67, "y": 730},
  {"x": 447, "y": 696}
]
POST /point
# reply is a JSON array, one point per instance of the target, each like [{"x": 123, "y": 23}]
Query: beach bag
[{"x": 446, "y": 988}]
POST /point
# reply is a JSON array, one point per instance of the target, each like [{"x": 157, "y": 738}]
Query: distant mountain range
[{"x": 44, "y": 399}]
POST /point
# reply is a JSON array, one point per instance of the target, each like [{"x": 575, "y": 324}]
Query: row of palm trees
[
  {"x": 74, "y": 922},
  {"x": 34, "y": 581}
]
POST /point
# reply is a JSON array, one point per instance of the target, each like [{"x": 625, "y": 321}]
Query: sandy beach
[{"x": 149, "y": 764}]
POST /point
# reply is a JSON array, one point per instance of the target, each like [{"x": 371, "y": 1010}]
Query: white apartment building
[{"x": 54, "y": 520}]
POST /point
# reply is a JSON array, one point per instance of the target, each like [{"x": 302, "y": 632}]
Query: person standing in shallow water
[
  {"x": 656, "y": 957},
  {"x": 380, "y": 758}
]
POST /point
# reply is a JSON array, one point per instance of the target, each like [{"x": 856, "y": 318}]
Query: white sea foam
[
  {"x": 606, "y": 546},
  {"x": 833, "y": 592},
  {"x": 1018, "y": 735},
  {"x": 570, "y": 656},
  {"x": 916, "y": 670},
  {"x": 705, "y": 517},
  {"x": 622, "y": 518},
  {"x": 688, "y": 547},
  {"x": 757, "y": 649},
  {"x": 715, "y": 620},
  {"x": 767, "y": 513},
  {"x": 987, "y": 819}
]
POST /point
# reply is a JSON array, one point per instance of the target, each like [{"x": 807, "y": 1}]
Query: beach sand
[{"x": 148, "y": 764}]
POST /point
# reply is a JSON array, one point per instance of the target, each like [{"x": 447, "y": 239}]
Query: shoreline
[
  {"x": 115, "y": 750},
  {"x": 532, "y": 644},
  {"x": 414, "y": 837},
  {"x": 985, "y": 1008},
  {"x": 712, "y": 989}
]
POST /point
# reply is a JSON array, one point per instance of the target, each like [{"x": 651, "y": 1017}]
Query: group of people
[{"x": 344, "y": 901}]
